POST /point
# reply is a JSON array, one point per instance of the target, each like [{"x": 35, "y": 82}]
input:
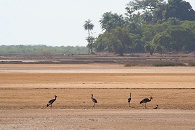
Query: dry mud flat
[
  {"x": 25, "y": 90},
  {"x": 101, "y": 119}
]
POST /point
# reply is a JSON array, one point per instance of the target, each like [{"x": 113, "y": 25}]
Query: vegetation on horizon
[
  {"x": 149, "y": 26},
  {"x": 160, "y": 64},
  {"x": 153, "y": 26},
  {"x": 39, "y": 49}
]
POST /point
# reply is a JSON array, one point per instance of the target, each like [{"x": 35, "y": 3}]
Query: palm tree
[{"x": 89, "y": 26}]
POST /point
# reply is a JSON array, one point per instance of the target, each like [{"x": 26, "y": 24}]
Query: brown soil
[
  {"x": 27, "y": 88},
  {"x": 93, "y": 119}
]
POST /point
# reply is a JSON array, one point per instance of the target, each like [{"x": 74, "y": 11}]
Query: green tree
[
  {"x": 162, "y": 42},
  {"x": 149, "y": 5},
  {"x": 118, "y": 40},
  {"x": 179, "y": 9},
  {"x": 89, "y": 26},
  {"x": 159, "y": 13},
  {"x": 101, "y": 42},
  {"x": 151, "y": 10},
  {"x": 188, "y": 25},
  {"x": 121, "y": 40},
  {"x": 176, "y": 39},
  {"x": 110, "y": 21},
  {"x": 149, "y": 26},
  {"x": 90, "y": 40}
]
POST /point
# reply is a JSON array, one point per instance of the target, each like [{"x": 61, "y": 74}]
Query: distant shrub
[
  {"x": 129, "y": 65},
  {"x": 40, "y": 49},
  {"x": 168, "y": 64},
  {"x": 191, "y": 64}
]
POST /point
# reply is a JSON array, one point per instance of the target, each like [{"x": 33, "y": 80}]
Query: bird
[
  {"x": 145, "y": 100},
  {"x": 156, "y": 107},
  {"x": 51, "y": 101},
  {"x": 129, "y": 99},
  {"x": 93, "y": 100}
]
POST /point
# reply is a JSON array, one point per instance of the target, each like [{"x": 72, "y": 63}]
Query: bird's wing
[
  {"x": 94, "y": 100},
  {"x": 51, "y": 101},
  {"x": 144, "y": 100},
  {"x": 129, "y": 99}
]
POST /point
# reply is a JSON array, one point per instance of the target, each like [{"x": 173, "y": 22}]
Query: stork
[
  {"x": 129, "y": 99},
  {"x": 93, "y": 100},
  {"x": 51, "y": 101},
  {"x": 145, "y": 100}
]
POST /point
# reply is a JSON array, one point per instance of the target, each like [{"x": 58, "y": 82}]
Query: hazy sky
[{"x": 53, "y": 22}]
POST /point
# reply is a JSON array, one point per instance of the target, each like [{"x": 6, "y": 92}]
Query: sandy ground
[
  {"x": 26, "y": 89},
  {"x": 91, "y": 119}
]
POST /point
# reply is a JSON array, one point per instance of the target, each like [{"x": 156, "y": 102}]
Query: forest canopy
[{"x": 148, "y": 26}]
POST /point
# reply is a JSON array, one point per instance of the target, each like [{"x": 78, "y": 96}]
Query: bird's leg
[
  {"x": 129, "y": 105},
  {"x": 94, "y": 105},
  {"x": 145, "y": 105},
  {"x": 142, "y": 104}
]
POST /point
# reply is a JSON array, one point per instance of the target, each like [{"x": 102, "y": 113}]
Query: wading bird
[
  {"x": 156, "y": 107},
  {"x": 129, "y": 99},
  {"x": 145, "y": 100},
  {"x": 93, "y": 100},
  {"x": 51, "y": 101}
]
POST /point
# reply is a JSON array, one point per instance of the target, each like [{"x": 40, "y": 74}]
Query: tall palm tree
[{"x": 89, "y": 26}]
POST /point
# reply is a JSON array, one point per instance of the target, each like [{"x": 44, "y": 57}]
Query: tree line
[
  {"x": 40, "y": 49},
  {"x": 148, "y": 26}
]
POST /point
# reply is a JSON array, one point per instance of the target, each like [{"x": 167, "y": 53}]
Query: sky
[{"x": 54, "y": 22}]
